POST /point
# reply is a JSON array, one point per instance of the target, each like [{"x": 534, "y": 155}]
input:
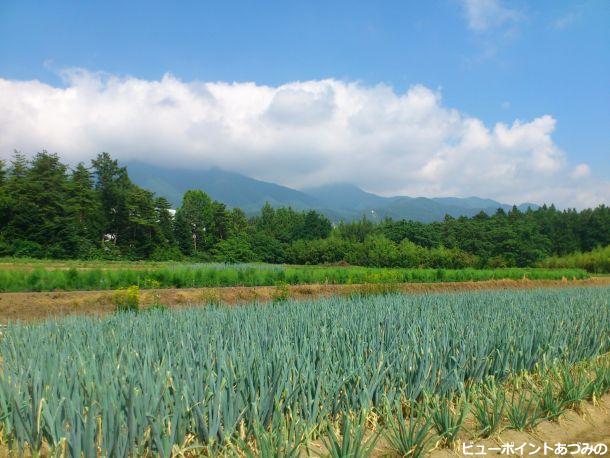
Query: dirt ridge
[{"x": 33, "y": 306}]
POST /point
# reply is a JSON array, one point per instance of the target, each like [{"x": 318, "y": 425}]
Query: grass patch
[{"x": 199, "y": 276}]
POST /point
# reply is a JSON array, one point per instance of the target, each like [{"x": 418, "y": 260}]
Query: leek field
[
  {"x": 271, "y": 379},
  {"x": 16, "y": 279}
]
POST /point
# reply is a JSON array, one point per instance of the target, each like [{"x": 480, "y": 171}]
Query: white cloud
[
  {"x": 298, "y": 134},
  {"x": 581, "y": 171},
  {"x": 566, "y": 20},
  {"x": 487, "y": 14}
]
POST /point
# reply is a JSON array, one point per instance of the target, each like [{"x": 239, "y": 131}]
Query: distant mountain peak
[
  {"x": 231, "y": 188},
  {"x": 339, "y": 201}
]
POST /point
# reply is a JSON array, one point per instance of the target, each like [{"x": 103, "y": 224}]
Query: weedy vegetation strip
[
  {"x": 197, "y": 276},
  {"x": 213, "y": 377}
]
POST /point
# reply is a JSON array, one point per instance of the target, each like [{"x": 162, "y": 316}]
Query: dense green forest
[{"x": 49, "y": 210}]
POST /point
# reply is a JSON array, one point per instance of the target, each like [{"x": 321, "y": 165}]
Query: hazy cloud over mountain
[{"x": 298, "y": 134}]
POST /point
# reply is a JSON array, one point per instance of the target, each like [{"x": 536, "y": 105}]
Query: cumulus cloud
[
  {"x": 298, "y": 134},
  {"x": 487, "y": 14},
  {"x": 581, "y": 171}
]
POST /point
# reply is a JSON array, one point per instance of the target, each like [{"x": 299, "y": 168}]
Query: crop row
[
  {"x": 411, "y": 428},
  {"x": 144, "y": 383},
  {"x": 39, "y": 279}
]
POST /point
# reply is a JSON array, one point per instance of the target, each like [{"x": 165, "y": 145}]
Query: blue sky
[{"x": 493, "y": 61}]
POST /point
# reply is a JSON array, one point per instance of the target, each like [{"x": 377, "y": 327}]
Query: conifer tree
[
  {"x": 165, "y": 220},
  {"x": 112, "y": 184},
  {"x": 194, "y": 222},
  {"x": 85, "y": 208}
]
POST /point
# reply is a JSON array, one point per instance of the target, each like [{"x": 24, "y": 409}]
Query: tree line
[{"x": 49, "y": 210}]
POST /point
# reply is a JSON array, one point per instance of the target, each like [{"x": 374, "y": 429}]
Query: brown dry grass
[{"x": 32, "y": 306}]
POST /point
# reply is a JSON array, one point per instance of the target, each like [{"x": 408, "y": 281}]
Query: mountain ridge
[{"x": 338, "y": 201}]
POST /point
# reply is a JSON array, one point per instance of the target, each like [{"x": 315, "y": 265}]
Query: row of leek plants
[{"x": 154, "y": 383}]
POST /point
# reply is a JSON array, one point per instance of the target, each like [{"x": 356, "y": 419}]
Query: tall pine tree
[{"x": 85, "y": 208}]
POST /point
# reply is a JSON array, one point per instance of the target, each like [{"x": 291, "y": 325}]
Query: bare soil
[
  {"x": 32, "y": 306},
  {"x": 591, "y": 424}
]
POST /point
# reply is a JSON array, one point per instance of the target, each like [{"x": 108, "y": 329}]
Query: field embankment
[
  {"x": 33, "y": 306},
  {"x": 17, "y": 279}
]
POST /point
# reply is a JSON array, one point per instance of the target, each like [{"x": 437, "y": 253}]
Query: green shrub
[
  {"x": 281, "y": 293},
  {"x": 127, "y": 299},
  {"x": 595, "y": 261},
  {"x": 210, "y": 297}
]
